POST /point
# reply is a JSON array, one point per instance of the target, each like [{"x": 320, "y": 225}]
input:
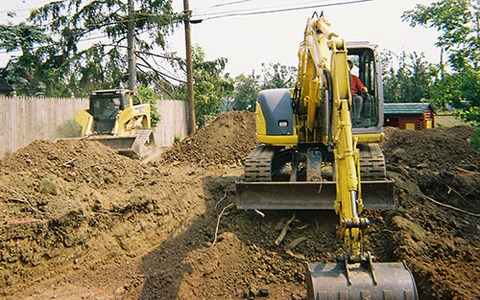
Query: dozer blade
[
  {"x": 308, "y": 195},
  {"x": 333, "y": 281},
  {"x": 114, "y": 142},
  {"x": 134, "y": 146}
]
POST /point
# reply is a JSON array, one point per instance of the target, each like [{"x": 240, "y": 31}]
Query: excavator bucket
[
  {"x": 357, "y": 281},
  {"x": 134, "y": 146},
  {"x": 308, "y": 195}
]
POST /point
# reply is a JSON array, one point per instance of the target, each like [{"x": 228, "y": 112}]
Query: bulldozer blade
[
  {"x": 308, "y": 195},
  {"x": 333, "y": 281},
  {"x": 114, "y": 142},
  {"x": 133, "y": 146}
]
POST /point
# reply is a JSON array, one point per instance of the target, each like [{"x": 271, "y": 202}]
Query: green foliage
[
  {"x": 460, "y": 90},
  {"x": 149, "y": 96},
  {"x": 411, "y": 82},
  {"x": 212, "y": 89},
  {"x": 245, "y": 92},
  {"x": 272, "y": 76},
  {"x": 53, "y": 61},
  {"x": 33, "y": 73},
  {"x": 177, "y": 139},
  {"x": 459, "y": 36},
  {"x": 278, "y": 76},
  {"x": 475, "y": 139},
  {"x": 457, "y": 23}
]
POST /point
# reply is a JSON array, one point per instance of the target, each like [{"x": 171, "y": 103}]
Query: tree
[
  {"x": 70, "y": 23},
  {"x": 272, "y": 76},
  {"x": 411, "y": 82},
  {"x": 36, "y": 69},
  {"x": 212, "y": 88},
  {"x": 245, "y": 92},
  {"x": 457, "y": 21},
  {"x": 278, "y": 76},
  {"x": 149, "y": 96}
]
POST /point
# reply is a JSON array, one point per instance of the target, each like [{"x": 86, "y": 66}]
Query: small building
[{"x": 409, "y": 116}]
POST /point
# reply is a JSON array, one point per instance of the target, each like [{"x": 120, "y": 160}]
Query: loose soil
[{"x": 78, "y": 221}]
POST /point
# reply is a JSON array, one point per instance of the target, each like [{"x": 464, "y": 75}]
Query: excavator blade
[
  {"x": 308, "y": 195},
  {"x": 386, "y": 281}
]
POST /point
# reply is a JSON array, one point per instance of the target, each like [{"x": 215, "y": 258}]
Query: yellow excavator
[
  {"x": 119, "y": 120},
  {"x": 320, "y": 150}
]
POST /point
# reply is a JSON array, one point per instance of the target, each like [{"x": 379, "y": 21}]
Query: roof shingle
[{"x": 405, "y": 108}]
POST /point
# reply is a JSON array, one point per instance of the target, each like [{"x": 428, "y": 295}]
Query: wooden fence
[
  {"x": 173, "y": 122},
  {"x": 23, "y": 120}
]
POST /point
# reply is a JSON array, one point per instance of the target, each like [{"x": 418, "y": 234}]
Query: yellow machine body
[
  {"x": 320, "y": 151},
  {"x": 127, "y": 126}
]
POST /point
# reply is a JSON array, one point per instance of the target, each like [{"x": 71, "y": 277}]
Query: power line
[
  {"x": 262, "y": 12},
  {"x": 232, "y": 3}
]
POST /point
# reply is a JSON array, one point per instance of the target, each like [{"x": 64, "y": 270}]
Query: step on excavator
[
  {"x": 118, "y": 119},
  {"x": 320, "y": 151}
]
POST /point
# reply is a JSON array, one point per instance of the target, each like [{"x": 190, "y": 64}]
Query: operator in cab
[
  {"x": 110, "y": 112},
  {"x": 357, "y": 88}
]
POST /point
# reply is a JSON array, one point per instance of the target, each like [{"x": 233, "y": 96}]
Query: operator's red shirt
[{"x": 356, "y": 84}]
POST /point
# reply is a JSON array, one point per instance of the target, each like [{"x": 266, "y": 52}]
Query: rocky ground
[{"x": 78, "y": 221}]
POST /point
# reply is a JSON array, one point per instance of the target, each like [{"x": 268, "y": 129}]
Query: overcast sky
[{"x": 247, "y": 41}]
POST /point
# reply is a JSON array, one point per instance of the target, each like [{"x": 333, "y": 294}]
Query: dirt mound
[
  {"x": 69, "y": 208},
  {"x": 78, "y": 221},
  {"x": 436, "y": 225},
  {"x": 225, "y": 141},
  {"x": 435, "y": 149}
]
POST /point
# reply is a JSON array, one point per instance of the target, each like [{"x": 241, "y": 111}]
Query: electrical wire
[
  {"x": 251, "y": 8},
  {"x": 231, "y": 3},
  {"x": 262, "y": 12}
]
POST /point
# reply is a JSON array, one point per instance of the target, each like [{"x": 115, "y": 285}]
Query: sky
[{"x": 250, "y": 40}]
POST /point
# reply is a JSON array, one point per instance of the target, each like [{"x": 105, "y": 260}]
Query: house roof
[{"x": 405, "y": 108}]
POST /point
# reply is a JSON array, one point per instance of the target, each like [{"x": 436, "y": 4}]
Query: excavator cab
[{"x": 366, "y": 67}]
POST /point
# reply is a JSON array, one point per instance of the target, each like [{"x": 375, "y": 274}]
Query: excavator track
[
  {"x": 372, "y": 162},
  {"x": 258, "y": 164}
]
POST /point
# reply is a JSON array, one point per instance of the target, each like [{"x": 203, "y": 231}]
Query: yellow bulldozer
[
  {"x": 320, "y": 150},
  {"x": 119, "y": 120}
]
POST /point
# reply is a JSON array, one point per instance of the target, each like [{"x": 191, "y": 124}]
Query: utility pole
[
  {"x": 132, "y": 65},
  {"x": 188, "y": 49}
]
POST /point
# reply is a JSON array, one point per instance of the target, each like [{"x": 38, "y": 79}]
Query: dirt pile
[
  {"x": 75, "y": 211},
  {"x": 436, "y": 225},
  {"x": 225, "y": 141},
  {"x": 436, "y": 149},
  {"x": 78, "y": 221}
]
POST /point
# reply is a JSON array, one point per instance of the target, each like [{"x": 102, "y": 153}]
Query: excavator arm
[{"x": 324, "y": 76}]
